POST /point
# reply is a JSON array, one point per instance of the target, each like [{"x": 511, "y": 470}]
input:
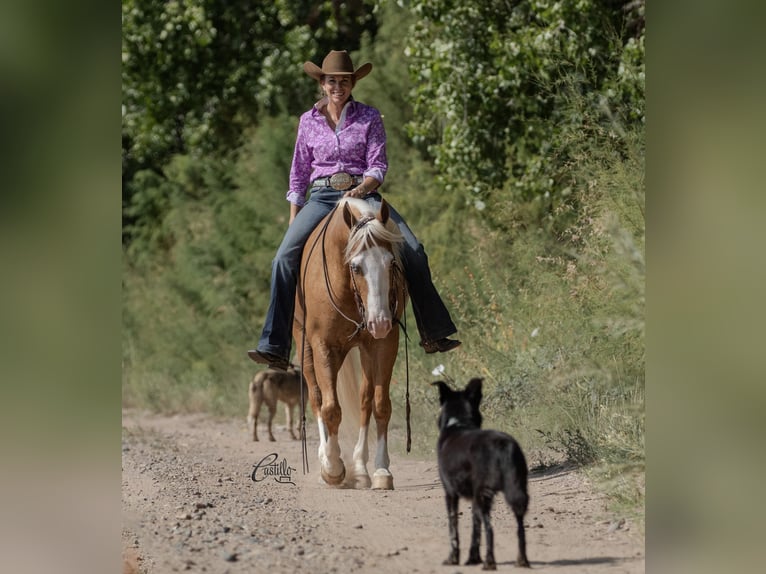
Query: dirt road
[{"x": 189, "y": 503}]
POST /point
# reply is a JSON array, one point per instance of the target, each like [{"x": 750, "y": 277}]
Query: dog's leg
[
  {"x": 517, "y": 498},
  {"x": 251, "y": 427},
  {"x": 521, "y": 560},
  {"x": 256, "y": 397},
  {"x": 272, "y": 404},
  {"x": 485, "y": 509},
  {"x": 476, "y": 515},
  {"x": 289, "y": 416},
  {"x": 454, "y": 555}
]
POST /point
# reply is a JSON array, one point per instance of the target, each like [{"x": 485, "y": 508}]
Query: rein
[{"x": 360, "y": 326}]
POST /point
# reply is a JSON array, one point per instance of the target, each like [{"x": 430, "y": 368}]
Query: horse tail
[{"x": 349, "y": 381}]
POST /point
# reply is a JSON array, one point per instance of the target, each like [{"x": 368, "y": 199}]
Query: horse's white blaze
[{"x": 375, "y": 265}]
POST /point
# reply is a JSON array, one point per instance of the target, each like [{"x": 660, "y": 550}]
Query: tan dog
[{"x": 269, "y": 386}]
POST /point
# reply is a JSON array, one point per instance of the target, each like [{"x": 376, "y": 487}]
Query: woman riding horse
[{"x": 340, "y": 151}]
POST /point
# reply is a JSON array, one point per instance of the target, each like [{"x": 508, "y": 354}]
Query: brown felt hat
[{"x": 336, "y": 63}]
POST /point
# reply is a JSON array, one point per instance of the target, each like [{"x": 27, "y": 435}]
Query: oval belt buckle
[{"x": 341, "y": 181}]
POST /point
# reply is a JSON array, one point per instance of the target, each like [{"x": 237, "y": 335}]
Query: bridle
[{"x": 360, "y": 325}]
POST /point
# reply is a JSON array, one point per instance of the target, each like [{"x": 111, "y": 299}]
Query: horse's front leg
[
  {"x": 361, "y": 452},
  {"x": 382, "y": 478},
  {"x": 331, "y": 467},
  {"x": 378, "y": 366}
]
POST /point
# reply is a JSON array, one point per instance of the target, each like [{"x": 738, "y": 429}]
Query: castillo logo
[{"x": 269, "y": 467}]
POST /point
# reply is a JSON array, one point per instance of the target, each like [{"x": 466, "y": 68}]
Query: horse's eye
[{"x": 356, "y": 268}]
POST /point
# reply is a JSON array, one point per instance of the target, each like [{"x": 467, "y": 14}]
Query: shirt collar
[{"x": 321, "y": 104}]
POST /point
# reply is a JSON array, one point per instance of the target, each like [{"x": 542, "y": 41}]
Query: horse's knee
[
  {"x": 382, "y": 409},
  {"x": 331, "y": 417}
]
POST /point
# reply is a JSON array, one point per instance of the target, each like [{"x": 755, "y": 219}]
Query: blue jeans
[{"x": 432, "y": 318}]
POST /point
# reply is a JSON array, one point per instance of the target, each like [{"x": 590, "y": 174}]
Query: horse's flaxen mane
[{"x": 371, "y": 233}]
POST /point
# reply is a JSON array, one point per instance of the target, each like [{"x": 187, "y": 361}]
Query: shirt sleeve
[
  {"x": 300, "y": 171},
  {"x": 377, "y": 162}
]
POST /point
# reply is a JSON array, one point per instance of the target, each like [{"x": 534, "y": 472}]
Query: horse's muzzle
[{"x": 379, "y": 328}]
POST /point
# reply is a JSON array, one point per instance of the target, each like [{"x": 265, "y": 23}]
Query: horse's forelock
[{"x": 371, "y": 233}]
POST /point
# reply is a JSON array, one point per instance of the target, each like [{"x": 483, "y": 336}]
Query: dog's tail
[{"x": 515, "y": 487}]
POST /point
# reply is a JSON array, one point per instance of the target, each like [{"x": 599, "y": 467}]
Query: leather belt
[{"x": 340, "y": 181}]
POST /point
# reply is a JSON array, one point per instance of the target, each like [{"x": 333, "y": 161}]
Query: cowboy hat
[{"x": 336, "y": 63}]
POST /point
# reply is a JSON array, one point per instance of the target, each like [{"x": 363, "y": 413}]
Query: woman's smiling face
[{"x": 338, "y": 88}]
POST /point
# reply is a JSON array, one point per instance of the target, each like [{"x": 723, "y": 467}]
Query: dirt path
[{"x": 189, "y": 504}]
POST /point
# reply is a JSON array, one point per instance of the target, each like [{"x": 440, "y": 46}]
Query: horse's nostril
[{"x": 379, "y": 328}]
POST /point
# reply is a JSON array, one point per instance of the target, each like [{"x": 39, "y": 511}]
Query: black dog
[{"x": 476, "y": 464}]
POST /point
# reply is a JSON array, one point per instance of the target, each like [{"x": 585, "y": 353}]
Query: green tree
[
  {"x": 197, "y": 73},
  {"x": 494, "y": 80}
]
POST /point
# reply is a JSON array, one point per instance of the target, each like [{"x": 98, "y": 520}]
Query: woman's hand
[
  {"x": 368, "y": 186},
  {"x": 359, "y": 191}
]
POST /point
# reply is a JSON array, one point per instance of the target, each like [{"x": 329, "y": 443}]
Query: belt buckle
[{"x": 341, "y": 181}]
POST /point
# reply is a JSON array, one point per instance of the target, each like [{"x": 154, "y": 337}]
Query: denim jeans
[{"x": 431, "y": 315}]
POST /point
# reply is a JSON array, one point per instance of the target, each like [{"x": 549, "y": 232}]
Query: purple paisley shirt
[{"x": 357, "y": 146}]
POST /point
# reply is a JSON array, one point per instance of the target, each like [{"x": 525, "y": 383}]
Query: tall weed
[{"x": 554, "y": 319}]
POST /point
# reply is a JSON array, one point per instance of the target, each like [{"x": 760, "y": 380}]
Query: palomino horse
[{"x": 351, "y": 294}]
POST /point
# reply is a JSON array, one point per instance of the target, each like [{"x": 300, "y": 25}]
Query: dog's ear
[
  {"x": 444, "y": 391},
  {"x": 473, "y": 391}
]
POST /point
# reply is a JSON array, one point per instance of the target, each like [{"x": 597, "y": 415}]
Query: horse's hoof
[
  {"x": 362, "y": 481},
  {"x": 334, "y": 480},
  {"x": 382, "y": 480}
]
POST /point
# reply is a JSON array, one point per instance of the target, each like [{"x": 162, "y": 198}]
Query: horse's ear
[
  {"x": 384, "y": 212},
  {"x": 348, "y": 216},
  {"x": 444, "y": 391},
  {"x": 473, "y": 391}
]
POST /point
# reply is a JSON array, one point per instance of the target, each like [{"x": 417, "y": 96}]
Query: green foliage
[
  {"x": 195, "y": 285},
  {"x": 197, "y": 74},
  {"x": 489, "y": 101},
  {"x": 555, "y": 321}
]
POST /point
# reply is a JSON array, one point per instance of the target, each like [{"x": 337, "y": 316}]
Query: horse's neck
[{"x": 336, "y": 240}]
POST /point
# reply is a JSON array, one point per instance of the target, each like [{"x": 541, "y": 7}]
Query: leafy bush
[{"x": 490, "y": 85}]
